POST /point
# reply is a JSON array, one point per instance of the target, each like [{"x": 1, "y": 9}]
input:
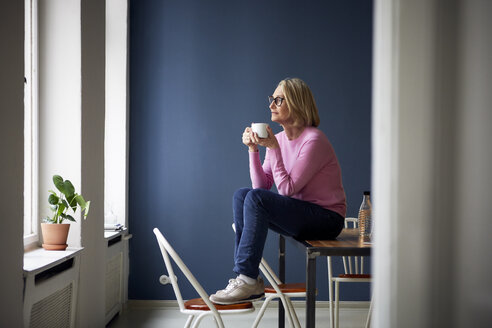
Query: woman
[{"x": 310, "y": 203}]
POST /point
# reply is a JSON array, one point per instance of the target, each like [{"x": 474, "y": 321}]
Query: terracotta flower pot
[{"x": 55, "y": 236}]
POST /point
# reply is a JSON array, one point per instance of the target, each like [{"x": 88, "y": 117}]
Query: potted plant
[{"x": 55, "y": 232}]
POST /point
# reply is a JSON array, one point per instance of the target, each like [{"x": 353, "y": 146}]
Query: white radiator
[
  {"x": 114, "y": 268},
  {"x": 54, "y": 310},
  {"x": 50, "y": 288},
  {"x": 116, "y": 272}
]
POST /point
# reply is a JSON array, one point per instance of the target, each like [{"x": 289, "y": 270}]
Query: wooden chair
[
  {"x": 353, "y": 272},
  {"x": 277, "y": 289},
  {"x": 199, "y": 307}
]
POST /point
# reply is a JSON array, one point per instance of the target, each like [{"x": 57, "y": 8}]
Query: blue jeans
[{"x": 257, "y": 210}]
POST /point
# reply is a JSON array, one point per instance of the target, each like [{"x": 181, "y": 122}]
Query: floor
[{"x": 352, "y": 314}]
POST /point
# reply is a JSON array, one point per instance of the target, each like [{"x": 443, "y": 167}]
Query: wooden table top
[{"x": 347, "y": 243}]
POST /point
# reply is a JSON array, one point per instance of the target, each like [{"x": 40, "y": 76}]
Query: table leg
[
  {"x": 311, "y": 289},
  {"x": 330, "y": 291},
  {"x": 281, "y": 276}
]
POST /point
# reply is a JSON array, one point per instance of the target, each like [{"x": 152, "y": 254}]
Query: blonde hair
[{"x": 300, "y": 102}]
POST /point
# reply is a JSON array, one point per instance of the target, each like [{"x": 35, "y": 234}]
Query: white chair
[
  {"x": 277, "y": 289},
  {"x": 353, "y": 272},
  {"x": 199, "y": 307}
]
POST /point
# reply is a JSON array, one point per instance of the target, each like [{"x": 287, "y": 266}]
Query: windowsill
[
  {"x": 110, "y": 234},
  {"x": 30, "y": 242},
  {"x": 37, "y": 259},
  {"x": 40, "y": 259}
]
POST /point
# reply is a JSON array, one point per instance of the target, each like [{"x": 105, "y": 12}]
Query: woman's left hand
[{"x": 269, "y": 142}]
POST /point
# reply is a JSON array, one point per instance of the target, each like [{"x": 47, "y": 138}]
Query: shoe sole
[{"x": 249, "y": 299}]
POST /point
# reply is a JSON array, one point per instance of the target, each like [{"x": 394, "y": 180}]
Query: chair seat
[
  {"x": 355, "y": 275},
  {"x": 288, "y": 288},
  {"x": 200, "y": 305}
]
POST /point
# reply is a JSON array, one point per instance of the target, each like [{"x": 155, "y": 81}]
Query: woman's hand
[
  {"x": 248, "y": 139},
  {"x": 269, "y": 142}
]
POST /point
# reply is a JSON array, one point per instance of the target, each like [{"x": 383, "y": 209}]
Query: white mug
[{"x": 260, "y": 129}]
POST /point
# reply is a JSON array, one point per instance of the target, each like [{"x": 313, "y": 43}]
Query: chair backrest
[
  {"x": 166, "y": 250},
  {"x": 353, "y": 265}
]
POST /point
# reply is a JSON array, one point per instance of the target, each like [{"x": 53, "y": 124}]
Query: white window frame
[
  {"x": 31, "y": 106},
  {"x": 116, "y": 115}
]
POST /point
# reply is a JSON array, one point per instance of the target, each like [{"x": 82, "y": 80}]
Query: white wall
[
  {"x": 11, "y": 160},
  {"x": 432, "y": 159},
  {"x": 472, "y": 201}
]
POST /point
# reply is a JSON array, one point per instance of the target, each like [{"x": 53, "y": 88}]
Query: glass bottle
[{"x": 365, "y": 215}]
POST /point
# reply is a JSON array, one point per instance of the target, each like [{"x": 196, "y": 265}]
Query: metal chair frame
[
  {"x": 353, "y": 267},
  {"x": 166, "y": 250},
  {"x": 285, "y": 297}
]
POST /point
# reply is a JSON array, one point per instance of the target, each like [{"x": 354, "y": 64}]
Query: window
[
  {"x": 62, "y": 62},
  {"x": 31, "y": 124},
  {"x": 115, "y": 157}
]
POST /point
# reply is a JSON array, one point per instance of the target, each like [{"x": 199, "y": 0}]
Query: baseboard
[{"x": 169, "y": 304}]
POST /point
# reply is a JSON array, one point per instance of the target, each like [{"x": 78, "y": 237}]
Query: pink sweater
[{"x": 305, "y": 168}]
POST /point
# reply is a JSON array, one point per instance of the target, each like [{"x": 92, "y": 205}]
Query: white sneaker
[{"x": 237, "y": 291}]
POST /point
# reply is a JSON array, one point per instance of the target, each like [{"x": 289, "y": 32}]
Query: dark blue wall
[{"x": 200, "y": 72}]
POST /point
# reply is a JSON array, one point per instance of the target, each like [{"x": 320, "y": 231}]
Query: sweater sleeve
[
  {"x": 308, "y": 162},
  {"x": 261, "y": 176}
]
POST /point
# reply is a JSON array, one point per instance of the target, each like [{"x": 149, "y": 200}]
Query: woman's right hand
[{"x": 249, "y": 140}]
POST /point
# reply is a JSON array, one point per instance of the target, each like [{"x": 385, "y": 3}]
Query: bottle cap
[{"x": 367, "y": 192}]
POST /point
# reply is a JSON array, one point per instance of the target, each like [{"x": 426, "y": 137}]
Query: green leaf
[
  {"x": 84, "y": 205},
  {"x": 58, "y": 181},
  {"x": 53, "y": 199},
  {"x": 69, "y": 199},
  {"x": 70, "y": 218},
  {"x": 61, "y": 208},
  {"x": 80, "y": 200},
  {"x": 69, "y": 188},
  {"x": 72, "y": 202},
  {"x": 87, "y": 206}
]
